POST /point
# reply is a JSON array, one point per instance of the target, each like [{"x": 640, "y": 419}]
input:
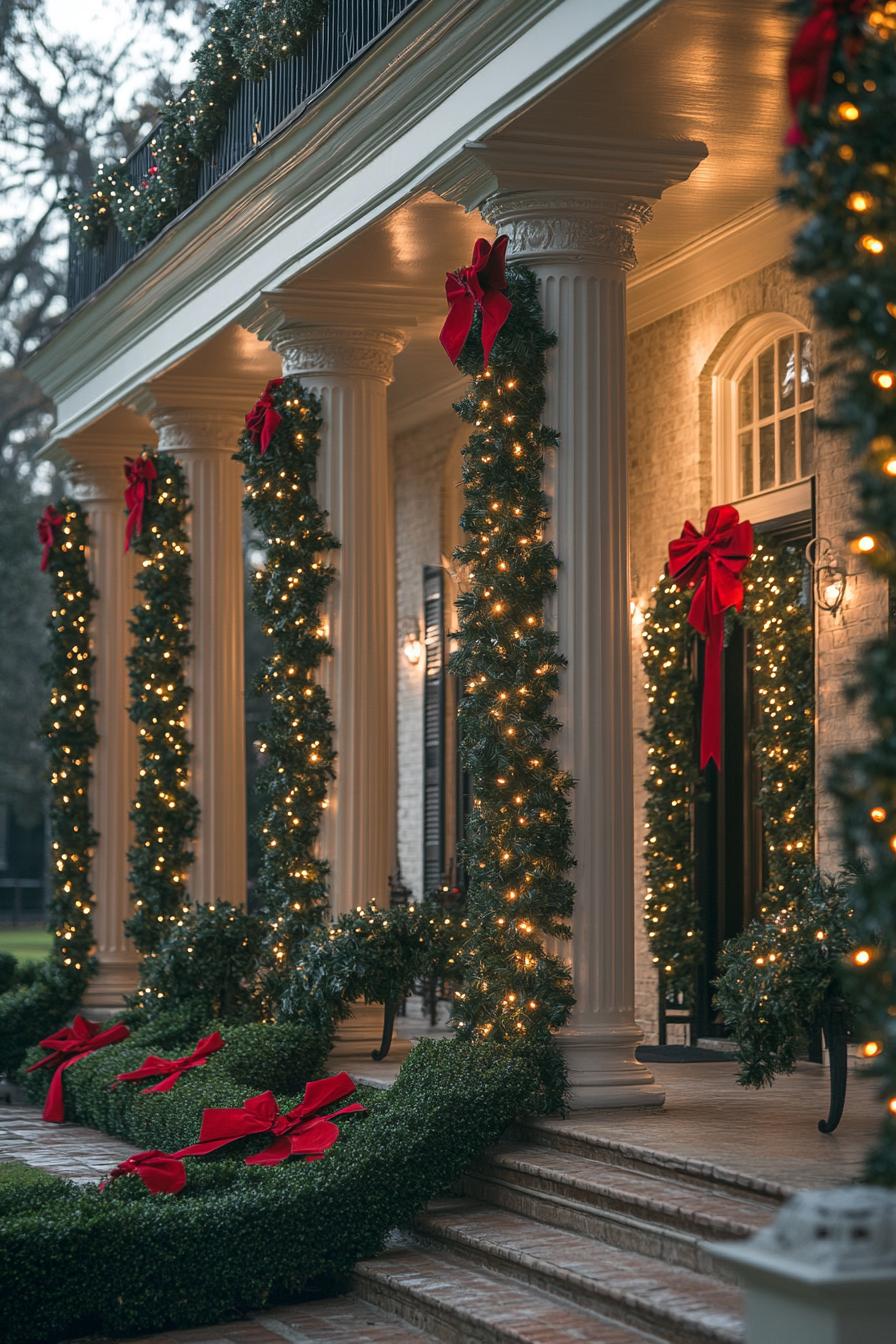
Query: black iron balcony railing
[{"x": 261, "y": 106}]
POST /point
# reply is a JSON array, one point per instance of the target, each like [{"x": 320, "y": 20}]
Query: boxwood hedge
[{"x": 237, "y": 1238}]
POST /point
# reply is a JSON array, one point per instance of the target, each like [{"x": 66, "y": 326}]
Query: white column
[
  {"x": 349, "y": 369},
  {"x": 101, "y": 485},
  {"x": 200, "y": 424}
]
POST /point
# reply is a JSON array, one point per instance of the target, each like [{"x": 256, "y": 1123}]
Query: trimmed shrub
[
  {"x": 8, "y": 971},
  {"x": 33, "y": 1010},
  {"x": 206, "y": 963},
  {"x": 239, "y": 1238}
]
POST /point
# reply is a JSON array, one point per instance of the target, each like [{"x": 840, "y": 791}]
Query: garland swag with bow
[
  {"x": 518, "y": 843},
  {"x": 781, "y": 663},
  {"x": 165, "y": 813},
  {"x": 279, "y": 451},
  {"x": 69, "y": 729},
  {"x": 243, "y": 41},
  {"x": 842, "y": 173}
]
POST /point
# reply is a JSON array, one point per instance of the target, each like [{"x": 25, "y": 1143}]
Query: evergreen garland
[
  {"x": 780, "y": 658},
  {"x": 165, "y": 813},
  {"x": 242, "y": 41},
  {"x": 518, "y": 844},
  {"x": 69, "y": 729},
  {"x": 844, "y": 177},
  {"x": 288, "y": 593}
]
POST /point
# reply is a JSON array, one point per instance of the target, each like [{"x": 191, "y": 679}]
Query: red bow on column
[
  {"x": 47, "y": 524},
  {"x": 140, "y": 472},
  {"x": 481, "y": 285},
  {"x": 68, "y": 1045},
  {"x": 161, "y": 1173},
  {"x": 710, "y": 561},
  {"x": 809, "y": 64},
  {"x": 263, "y": 419},
  {"x": 299, "y": 1132},
  {"x": 172, "y": 1069}
]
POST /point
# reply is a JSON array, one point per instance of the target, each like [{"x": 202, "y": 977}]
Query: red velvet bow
[
  {"x": 172, "y": 1069},
  {"x": 809, "y": 64},
  {"x": 161, "y": 1173},
  {"x": 299, "y": 1132},
  {"x": 47, "y": 524},
  {"x": 710, "y": 562},
  {"x": 68, "y": 1045},
  {"x": 140, "y": 472},
  {"x": 263, "y": 419},
  {"x": 481, "y": 285}
]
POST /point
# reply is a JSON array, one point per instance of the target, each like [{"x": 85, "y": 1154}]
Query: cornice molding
[{"x": 740, "y": 247}]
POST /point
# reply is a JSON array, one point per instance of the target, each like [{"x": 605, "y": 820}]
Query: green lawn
[{"x": 27, "y": 944}]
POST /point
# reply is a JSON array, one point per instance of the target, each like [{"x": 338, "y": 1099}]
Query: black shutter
[{"x": 433, "y": 728}]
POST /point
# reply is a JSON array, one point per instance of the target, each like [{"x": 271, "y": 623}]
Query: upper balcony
[{"x": 261, "y": 109}]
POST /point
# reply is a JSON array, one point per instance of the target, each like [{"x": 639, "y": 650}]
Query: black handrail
[{"x": 260, "y": 108}]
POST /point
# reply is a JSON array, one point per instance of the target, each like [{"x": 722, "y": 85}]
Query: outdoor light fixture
[
  {"x": 411, "y": 646},
  {"x": 829, "y": 573}
]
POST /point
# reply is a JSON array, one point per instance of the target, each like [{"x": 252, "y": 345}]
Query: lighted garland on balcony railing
[
  {"x": 518, "y": 841},
  {"x": 280, "y": 470},
  {"x": 69, "y": 730},
  {"x": 844, "y": 175},
  {"x": 165, "y": 812},
  {"x": 242, "y": 41},
  {"x": 780, "y": 653}
]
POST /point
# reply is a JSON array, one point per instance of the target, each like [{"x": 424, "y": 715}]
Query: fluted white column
[
  {"x": 101, "y": 489},
  {"x": 200, "y": 425},
  {"x": 349, "y": 369},
  {"x": 581, "y": 249}
]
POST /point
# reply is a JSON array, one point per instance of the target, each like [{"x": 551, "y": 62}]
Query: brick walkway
[{"x": 83, "y": 1155}]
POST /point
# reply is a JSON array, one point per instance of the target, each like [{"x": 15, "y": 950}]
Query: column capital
[
  {"x": 543, "y": 226},
  {"x": 196, "y": 414},
  {"x": 342, "y": 351},
  {"x": 348, "y": 329},
  {"x": 95, "y": 455}
]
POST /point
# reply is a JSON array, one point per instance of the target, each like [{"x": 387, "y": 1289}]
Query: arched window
[{"x": 764, "y": 391}]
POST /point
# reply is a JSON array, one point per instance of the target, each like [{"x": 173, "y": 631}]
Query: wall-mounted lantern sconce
[
  {"x": 829, "y": 574},
  {"x": 411, "y": 646}
]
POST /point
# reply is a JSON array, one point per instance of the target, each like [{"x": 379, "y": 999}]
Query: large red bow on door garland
[
  {"x": 67, "y": 1046},
  {"x": 300, "y": 1132},
  {"x": 172, "y": 1069},
  {"x": 47, "y": 524},
  {"x": 263, "y": 419},
  {"x": 161, "y": 1173},
  {"x": 809, "y": 64},
  {"x": 140, "y": 473},
  {"x": 710, "y": 562},
  {"x": 481, "y": 285}
]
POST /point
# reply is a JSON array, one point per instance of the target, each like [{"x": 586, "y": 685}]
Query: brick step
[
  {"x": 450, "y": 1300},
  {"x": 669, "y": 1301},
  {"x": 566, "y": 1137},
  {"x": 650, "y": 1214}
]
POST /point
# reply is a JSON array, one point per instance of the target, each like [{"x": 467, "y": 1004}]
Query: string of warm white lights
[
  {"x": 844, "y": 178},
  {"x": 241, "y": 42},
  {"x": 289, "y": 592},
  {"x": 519, "y": 835},
  {"x": 165, "y": 813},
  {"x": 69, "y": 730},
  {"x": 779, "y": 627}
]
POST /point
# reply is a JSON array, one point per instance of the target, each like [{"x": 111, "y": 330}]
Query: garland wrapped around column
[
  {"x": 780, "y": 660},
  {"x": 279, "y": 452},
  {"x": 165, "y": 812},
  {"x": 518, "y": 843},
  {"x": 843, "y": 169},
  {"x": 69, "y": 730}
]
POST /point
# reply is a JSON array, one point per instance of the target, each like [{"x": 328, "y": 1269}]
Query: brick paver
[
  {"x": 337, "y": 1320},
  {"x": 84, "y": 1155}
]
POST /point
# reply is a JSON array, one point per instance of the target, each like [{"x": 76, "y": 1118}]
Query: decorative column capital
[
  {"x": 358, "y": 352},
  {"x": 193, "y": 414},
  {"x": 592, "y": 228},
  {"x": 94, "y": 457}
]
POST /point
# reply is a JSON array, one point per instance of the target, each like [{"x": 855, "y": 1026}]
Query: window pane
[
  {"x": 807, "y": 443},
  {"x": 766, "y": 457},
  {"x": 788, "y": 450},
  {"x": 746, "y": 463},
  {"x": 786, "y": 373},
  {"x": 766, "y": 368},
  {"x": 745, "y": 398},
  {"x": 807, "y": 368}
]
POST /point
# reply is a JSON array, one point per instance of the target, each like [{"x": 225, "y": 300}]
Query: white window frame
[{"x": 750, "y": 340}]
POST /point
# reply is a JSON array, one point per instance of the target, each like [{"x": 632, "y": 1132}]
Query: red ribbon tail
[
  {"x": 54, "y": 1106},
  {"x": 165, "y": 1085},
  {"x": 711, "y": 711},
  {"x": 44, "y": 558},
  {"x": 457, "y": 326},
  {"x": 495, "y": 312}
]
